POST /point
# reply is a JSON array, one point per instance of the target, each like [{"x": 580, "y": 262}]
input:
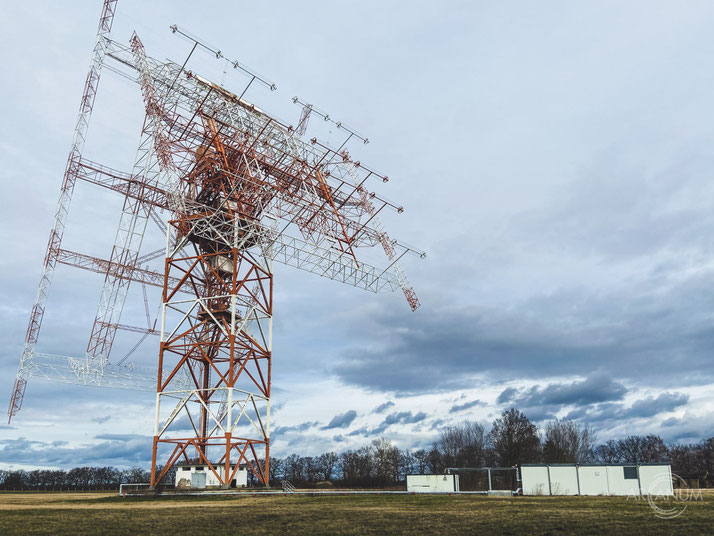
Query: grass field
[{"x": 108, "y": 514}]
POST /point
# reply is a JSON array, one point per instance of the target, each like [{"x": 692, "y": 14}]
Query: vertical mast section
[
  {"x": 70, "y": 176},
  {"x": 220, "y": 341},
  {"x": 215, "y": 353}
]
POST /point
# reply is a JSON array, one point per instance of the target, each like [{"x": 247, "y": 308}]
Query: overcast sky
[{"x": 554, "y": 160}]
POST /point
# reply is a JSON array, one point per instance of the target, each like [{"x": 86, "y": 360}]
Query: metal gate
[{"x": 198, "y": 480}]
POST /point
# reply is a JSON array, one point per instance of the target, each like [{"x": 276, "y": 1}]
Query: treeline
[
  {"x": 79, "y": 478},
  {"x": 512, "y": 439}
]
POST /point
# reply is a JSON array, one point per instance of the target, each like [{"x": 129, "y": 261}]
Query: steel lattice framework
[{"x": 244, "y": 190}]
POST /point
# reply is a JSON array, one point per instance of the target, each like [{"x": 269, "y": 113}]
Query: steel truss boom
[{"x": 70, "y": 176}]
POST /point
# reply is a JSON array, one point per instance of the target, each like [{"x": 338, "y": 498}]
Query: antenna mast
[{"x": 243, "y": 190}]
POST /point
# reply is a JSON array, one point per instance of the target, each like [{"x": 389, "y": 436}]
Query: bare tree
[
  {"x": 357, "y": 466},
  {"x": 135, "y": 475},
  {"x": 608, "y": 452},
  {"x": 515, "y": 439},
  {"x": 349, "y": 466},
  {"x": 462, "y": 445},
  {"x": 365, "y": 463},
  {"x": 294, "y": 468},
  {"x": 642, "y": 449},
  {"x": 327, "y": 463},
  {"x": 690, "y": 462},
  {"x": 420, "y": 461},
  {"x": 276, "y": 470},
  {"x": 386, "y": 461},
  {"x": 567, "y": 442},
  {"x": 407, "y": 464}
]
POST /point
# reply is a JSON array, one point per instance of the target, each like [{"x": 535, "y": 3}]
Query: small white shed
[
  {"x": 432, "y": 483},
  {"x": 623, "y": 479},
  {"x": 200, "y": 476}
]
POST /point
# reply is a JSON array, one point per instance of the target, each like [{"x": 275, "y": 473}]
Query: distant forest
[{"x": 512, "y": 439}]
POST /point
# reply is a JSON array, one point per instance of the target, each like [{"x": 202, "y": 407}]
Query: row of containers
[
  {"x": 527, "y": 479},
  {"x": 551, "y": 479}
]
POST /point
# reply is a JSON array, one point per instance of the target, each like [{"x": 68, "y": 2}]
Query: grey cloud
[
  {"x": 280, "y": 405},
  {"x": 609, "y": 412},
  {"x": 302, "y": 427},
  {"x": 404, "y": 417},
  {"x": 539, "y": 414},
  {"x": 343, "y": 420},
  {"x": 652, "y": 406},
  {"x": 364, "y": 431},
  {"x": 466, "y": 405},
  {"x": 383, "y": 407},
  {"x": 690, "y": 427},
  {"x": 645, "y": 342},
  {"x": 121, "y": 450},
  {"x": 507, "y": 395},
  {"x": 101, "y": 420},
  {"x": 597, "y": 413},
  {"x": 597, "y": 388},
  {"x": 119, "y": 437},
  {"x": 436, "y": 423}
]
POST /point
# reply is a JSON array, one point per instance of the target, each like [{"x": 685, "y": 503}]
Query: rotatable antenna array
[{"x": 243, "y": 190}]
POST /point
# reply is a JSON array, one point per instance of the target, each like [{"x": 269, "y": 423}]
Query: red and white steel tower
[{"x": 243, "y": 191}]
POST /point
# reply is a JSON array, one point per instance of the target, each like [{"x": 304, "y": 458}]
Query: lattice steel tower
[{"x": 244, "y": 190}]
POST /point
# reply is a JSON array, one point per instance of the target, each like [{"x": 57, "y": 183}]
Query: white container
[
  {"x": 624, "y": 479},
  {"x": 432, "y": 483}
]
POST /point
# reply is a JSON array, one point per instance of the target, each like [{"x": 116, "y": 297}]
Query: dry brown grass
[{"x": 102, "y": 513}]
